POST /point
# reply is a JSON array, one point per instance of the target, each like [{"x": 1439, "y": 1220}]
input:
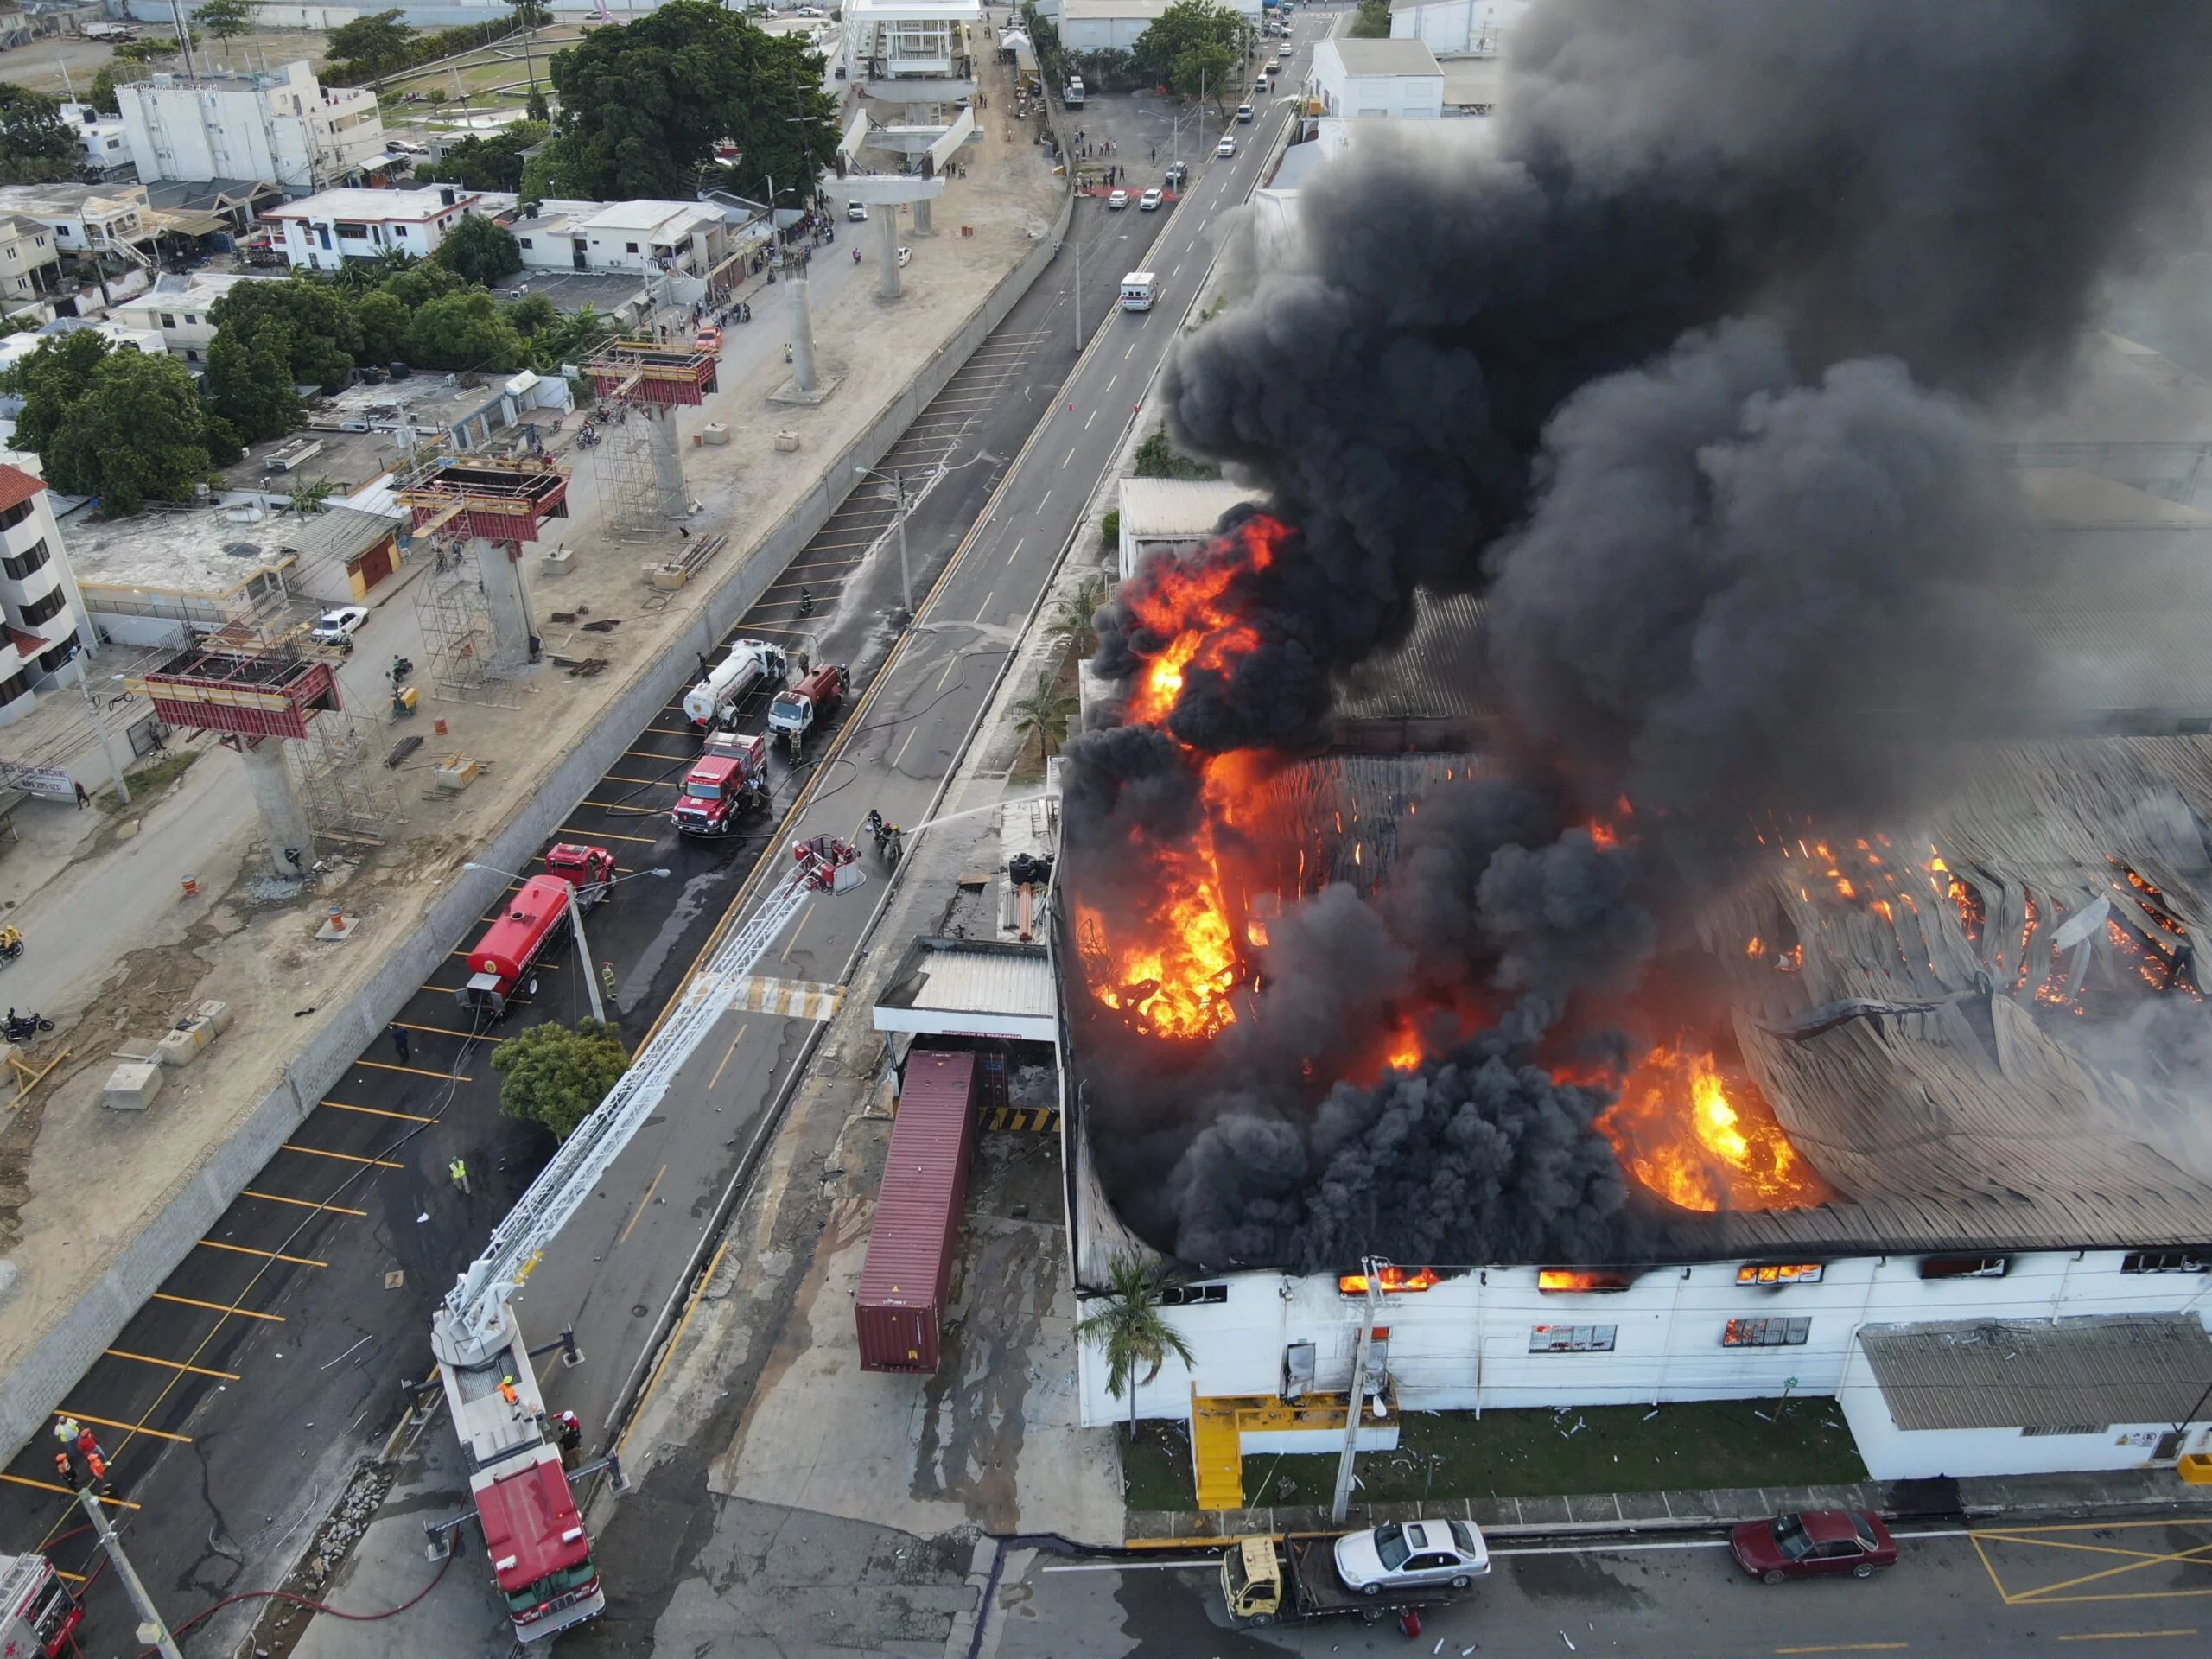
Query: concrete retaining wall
[{"x": 31, "y": 1394}]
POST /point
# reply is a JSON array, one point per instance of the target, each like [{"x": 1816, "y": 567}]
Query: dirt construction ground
[
  {"x": 79, "y": 1182},
  {"x": 66, "y": 62}
]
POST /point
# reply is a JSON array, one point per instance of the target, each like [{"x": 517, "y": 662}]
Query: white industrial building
[
  {"x": 1457, "y": 28},
  {"x": 37, "y": 593},
  {"x": 1168, "y": 513},
  {"x": 1394, "y": 79},
  {"x": 927, "y": 44},
  {"x": 322, "y": 231},
  {"x": 280, "y": 125},
  {"x": 1107, "y": 25}
]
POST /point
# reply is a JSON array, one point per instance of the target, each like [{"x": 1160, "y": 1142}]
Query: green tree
[
  {"x": 1072, "y": 616},
  {"x": 1157, "y": 457},
  {"x": 1045, "y": 713},
  {"x": 102, "y": 96},
  {"x": 536, "y": 108},
  {"x": 375, "y": 44},
  {"x": 529, "y": 14},
  {"x": 492, "y": 163},
  {"x": 249, "y": 383},
  {"x": 480, "y": 251},
  {"x": 153, "y": 48},
  {"x": 643, "y": 105},
  {"x": 1129, "y": 1329},
  {"x": 466, "y": 331},
  {"x": 224, "y": 19},
  {"x": 320, "y": 331},
  {"x": 1192, "y": 46},
  {"x": 51, "y": 381},
  {"x": 556, "y": 1077},
  {"x": 1373, "y": 22},
  {"x": 385, "y": 323},
  {"x": 138, "y": 432},
  {"x": 36, "y": 143}
]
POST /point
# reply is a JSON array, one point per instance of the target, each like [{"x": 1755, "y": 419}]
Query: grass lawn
[
  {"x": 147, "y": 782},
  {"x": 1534, "y": 1454},
  {"x": 1616, "y": 1449}
]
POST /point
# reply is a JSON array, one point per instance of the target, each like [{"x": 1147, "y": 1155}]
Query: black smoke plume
[{"x": 1683, "y": 375}]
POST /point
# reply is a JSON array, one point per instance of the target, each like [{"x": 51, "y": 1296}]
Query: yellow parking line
[
  {"x": 172, "y": 1364},
  {"x": 218, "y": 1307},
  {"x": 1851, "y": 1647},
  {"x": 600, "y": 835},
  {"x": 446, "y": 1031},
  {"x": 304, "y": 1203},
  {"x": 2125, "y": 1635},
  {"x": 266, "y": 1256},
  {"x": 650, "y": 783},
  {"x": 412, "y": 1071},
  {"x": 631, "y": 808},
  {"x": 376, "y": 1111},
  {"x": 49, "y": 1486},
  {"x": 134, "y": 1428},
  {"x": 346, "y": 1157}
]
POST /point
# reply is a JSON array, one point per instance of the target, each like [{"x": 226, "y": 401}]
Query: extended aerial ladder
[{"x": 532, "y": 1527}]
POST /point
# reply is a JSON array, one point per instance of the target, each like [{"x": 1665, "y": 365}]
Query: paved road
[{"x": 2129, "y": 1588}]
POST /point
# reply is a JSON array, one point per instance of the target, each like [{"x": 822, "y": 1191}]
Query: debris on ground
[
  {"x": 401, "y": 750},
  {"x": 282, "y": 1624}
]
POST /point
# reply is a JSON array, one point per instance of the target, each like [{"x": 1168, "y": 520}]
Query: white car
[
  {"x": 1272, "y": 67},
  {"x": 856, "y": 211},
  {"x": 1411, "y": 1555},
  {"x": 1227, "y": 147},
  {"x": 807, "y": 11},
  {"x": 1151, "y": 200},
  {"x": 1243, "y": 112},
  {"x": 1119, "y": 199},
  {"x": 339, "y": 627}
]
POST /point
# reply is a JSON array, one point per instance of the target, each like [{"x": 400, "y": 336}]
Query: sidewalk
[{"x": 2086, "y": 1497}]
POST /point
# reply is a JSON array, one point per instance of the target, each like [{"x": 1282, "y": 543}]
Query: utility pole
[
  {"x": 151, "y": 1631},
  {"x": 99, "y": 726},
  {"x": 905, "y": 576},
  {"x": 1371, "y": 1267},
  {"x": 576, "y": 922}
]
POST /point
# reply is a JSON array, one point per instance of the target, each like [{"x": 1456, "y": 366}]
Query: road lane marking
[
  {"x": 901, "y": 755},
  {"x": 1086, "y": 427},
  {"x": 266, "y": 1256},
  {"x": 48, "y": 1486},
  {"x": 1207, "y": 1564},
  {"x": 804, "y": 917},
  {"x": 645, "y": 1200},
  {"x": 218, "y": 1307},
  {"x": 631, "y": 808},
  {"x": 173, "y": 1365},
  {"x": 649, "y": 783},
  {"x": 951, "y": 663},
  {"x": 347, "y": 1157},
  {"x": 304, "y": 1203},
  {"x": 2132, "y": 1560},
  {"x": 984, "y": 609},
  {"x": 2126, "y": 1635},
  {"x": 1850, "y": 1647},
  {"x": 1070, "y": 462},
  {"x": 413, "y": 1070},
  {"x": 608, "y": 835},
  {"x": 129, "y": 1428},
  {"x": 441, "y": 1031},
  {"x": 727, "y": 1052},
  {"x": 376, "y": 1111}
]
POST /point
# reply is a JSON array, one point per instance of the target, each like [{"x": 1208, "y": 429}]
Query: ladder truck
[{"x": 533, "y": 1530}]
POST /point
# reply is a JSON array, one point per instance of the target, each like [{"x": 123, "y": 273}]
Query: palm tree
[
  {"x": 1130, "y": 1331},
  {"x": 1045, "y": 712},
  {"x": 1071, "y": 616}
]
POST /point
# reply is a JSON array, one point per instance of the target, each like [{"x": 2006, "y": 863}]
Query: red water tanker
[
  {"x": 536, "y": 917},
  {"x": 907, "y": 1277}
]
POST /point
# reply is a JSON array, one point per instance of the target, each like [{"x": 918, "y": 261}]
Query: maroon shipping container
[{"x": 909, "y": 1268}]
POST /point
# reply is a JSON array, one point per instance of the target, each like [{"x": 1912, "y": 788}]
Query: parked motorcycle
[{"x": 22, "y": 1029}]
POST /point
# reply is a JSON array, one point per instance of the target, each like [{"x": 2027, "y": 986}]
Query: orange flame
[
  {"x": 1186, "y": 601},
  {"x": 1404, "y": 1053},
  {"x": 1581, "y": 1279},
  {"x": 1395, "y": 1279},
  {"x": 1704, "y": 1140}
]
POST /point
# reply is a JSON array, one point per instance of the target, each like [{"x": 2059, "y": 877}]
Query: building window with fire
[
  {"x": 1780, "y": 1273},
  {"x": 1766, "y": 1334},
  {"x": 1572, "y": 1339}
]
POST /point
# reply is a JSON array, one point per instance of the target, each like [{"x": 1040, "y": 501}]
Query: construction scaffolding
[
  {"x": 342, "y": 781},
  {"x": 639, "y": 384},
  {"x": 455, "y": 620}
]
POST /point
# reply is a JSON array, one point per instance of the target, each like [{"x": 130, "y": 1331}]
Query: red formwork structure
[
  {"x": 643, "y": 371},
  {"x": 243, "y": 695},
  {"x": 477, "y": 496}
]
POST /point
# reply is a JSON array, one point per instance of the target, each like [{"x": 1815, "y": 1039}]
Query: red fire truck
[
  {"x": 814, "y": 697},
  {"x": 37, "y": 1613},
  {"x": 730, "y": 778},
  {"x": 535, "y": 918}
]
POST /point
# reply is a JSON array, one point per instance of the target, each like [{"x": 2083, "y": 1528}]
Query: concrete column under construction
[
  {"x": 921, "y": 217},
  {"x": 796, "y": 288},
  {"x": 668, "y": 459},
  {"x": 886, "y": 233},
  {"x": 506, "y": 600},
  {"x": 283, "y": 819}
]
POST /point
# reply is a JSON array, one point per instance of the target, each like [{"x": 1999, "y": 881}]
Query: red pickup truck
[{"x": 813, "y": 697}]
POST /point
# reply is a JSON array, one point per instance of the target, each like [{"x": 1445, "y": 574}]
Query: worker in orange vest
[
  {"x": 510, "y": 1393},
  {"x": 97, "y": 1464},
  {"x": 66, "y": 1469}
]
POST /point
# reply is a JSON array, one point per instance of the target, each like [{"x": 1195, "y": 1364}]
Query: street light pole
[
  {"x": 99, "y": 726},
  {"x": 151, "y": 1629},
  {"x": 906, "y": 575}
]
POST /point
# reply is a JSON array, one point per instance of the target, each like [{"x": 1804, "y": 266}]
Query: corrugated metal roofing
[
  {"x": 1156, "y": 508},
  {"x": 1984, "y": 1374},
  {"x": 925, "y": 1176},
  {"x": 969, "y": 988}
]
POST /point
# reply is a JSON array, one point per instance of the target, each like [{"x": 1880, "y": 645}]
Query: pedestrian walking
[
  {"x": 399, "y": 1043},
  {"x": 459, "y": 1170},
  {"x": 83, "y": 799},
  {"x": 1154, "y": 154}
]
